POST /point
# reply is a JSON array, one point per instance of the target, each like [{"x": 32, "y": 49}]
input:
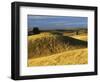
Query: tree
[
  {"x": 77, "y": 32},
  {"x": 36, "y": 30}
]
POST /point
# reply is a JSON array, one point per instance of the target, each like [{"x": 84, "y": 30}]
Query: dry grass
[
  {"x": 48, "y": 44},
  {"x": 78, "y": 56},
  {"x": 80, "y": 37},
  {"x": 55, "y": 49}
]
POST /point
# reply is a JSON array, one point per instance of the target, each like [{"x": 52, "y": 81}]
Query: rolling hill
[
  {"x": 50, "y": 43},
  {"x": 78, "y": 56}
]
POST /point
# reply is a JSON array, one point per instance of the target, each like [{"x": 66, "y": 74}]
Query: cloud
[
  {"x": 56, "y": 21},
  {"x": 41, "y": 17}
]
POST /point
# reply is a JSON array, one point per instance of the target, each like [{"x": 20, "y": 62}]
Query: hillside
[
  {"x": 47, "y": 44},
  {"x": 78, "y": 56}
]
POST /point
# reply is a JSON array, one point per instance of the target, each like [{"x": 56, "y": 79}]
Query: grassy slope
[
  {"x": 45, "y": 44},
  {"x": 78, "y": 56},
  {"x": 54, "y": 49},
  {"x": 82, "y": 37}
]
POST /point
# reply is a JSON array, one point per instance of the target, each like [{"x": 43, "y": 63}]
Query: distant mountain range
[{"x": 67, "y": 28}]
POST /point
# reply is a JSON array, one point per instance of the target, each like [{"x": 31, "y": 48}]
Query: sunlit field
[{"x": 57, "y": 48}]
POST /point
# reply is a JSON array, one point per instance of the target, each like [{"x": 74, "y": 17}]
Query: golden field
[
  {"x": 70, "y": 57},
  {"x": 57, "y": 49}
]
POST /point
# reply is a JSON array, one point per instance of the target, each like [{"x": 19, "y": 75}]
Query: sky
[{"x": 44, "y": 22}]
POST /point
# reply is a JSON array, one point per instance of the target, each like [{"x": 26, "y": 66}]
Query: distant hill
[{"x": 64, "y": 29}]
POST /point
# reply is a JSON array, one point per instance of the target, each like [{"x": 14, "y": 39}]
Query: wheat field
[{"x": 47, "y": 48}]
